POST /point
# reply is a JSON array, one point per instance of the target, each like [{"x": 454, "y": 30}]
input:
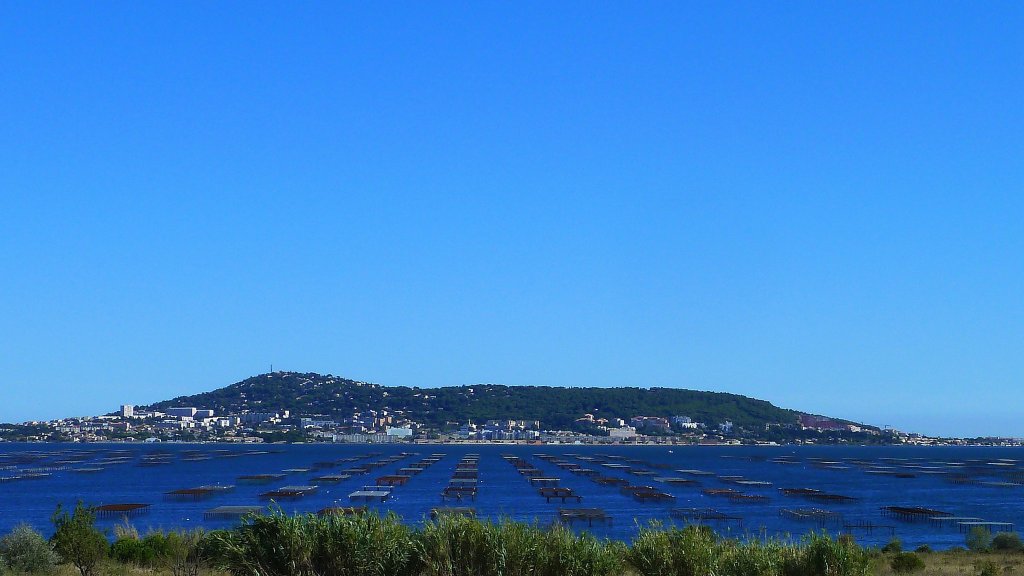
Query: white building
[
  {"x": 623, "y": 433},
  {"x": 363, "y": 438},
  {"x": 127, "y": 411},
  {"x": 315, "y": 423},
  {"x": 684, "y": 422},
  {"x": 180, "y": 412},
  {"x": 399, "y": 432}
]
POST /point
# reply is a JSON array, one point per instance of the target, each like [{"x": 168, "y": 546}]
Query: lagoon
[{"x": 759, "y": 491}]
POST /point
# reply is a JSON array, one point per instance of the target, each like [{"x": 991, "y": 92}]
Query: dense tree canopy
[{"x": 554, "y": 407}]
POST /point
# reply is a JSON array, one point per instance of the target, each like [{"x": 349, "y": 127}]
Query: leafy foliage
[
  {"x": 894, "y": 546},
  {"x": 183, "y": 553},
  {"x": 77, "y": 540},
  {"x": 906, "y": 563},
  {"x": 979, "y": 539},
  {"x": 24, "y": 550},
  {"x": 1007, "y": 542}
]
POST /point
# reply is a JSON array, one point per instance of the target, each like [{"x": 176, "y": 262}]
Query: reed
[
  {"x": 459, "y": 546},
  {"x": 697, "y": 551},
  {"x": 307, "y": 545},
  {"x": 278, "y": 544}
]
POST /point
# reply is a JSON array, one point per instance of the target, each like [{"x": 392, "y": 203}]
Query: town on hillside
[{"x": 196, "y": 424}]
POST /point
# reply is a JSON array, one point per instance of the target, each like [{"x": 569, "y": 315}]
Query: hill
[{"x": 554, "y": 407}]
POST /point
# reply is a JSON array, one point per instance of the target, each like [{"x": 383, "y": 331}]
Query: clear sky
[{"x": 816, "y": 203}]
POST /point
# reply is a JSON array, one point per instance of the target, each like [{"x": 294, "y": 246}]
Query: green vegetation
[
  {"x": 31, "y": 433},
  {"x": 979, "y": 539},
  {"x": 1007, "y": 542},
  {"x": 277, "y": 544},
  {"x": 555, "y": 407},
  {"x": 281, "y": 545},
  {"x": 458, "y": 546},
  {"x": 987, "y": 568},
  {"x": 26, "y": 551},
  {"x": 906, "y": 563},
  {"x": 77, "y": 541}
]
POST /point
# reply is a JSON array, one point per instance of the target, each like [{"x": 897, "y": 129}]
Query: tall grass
[
  {"x": 697, "y": 551},
  {"x": 308, "y": 545},
  {"x": 278, "y": 544},
  {"x": 690, "y": 551},
  {"x": 822, "y": 555},
  {"x": 371, "y": 545},
  {"x": 459, "y": 546}
]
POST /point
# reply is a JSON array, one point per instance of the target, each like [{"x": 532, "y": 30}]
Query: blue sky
[{"x": 819, "y": 204}]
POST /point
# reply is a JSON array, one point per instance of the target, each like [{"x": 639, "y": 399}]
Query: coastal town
[{"x": 197, "y": 424}]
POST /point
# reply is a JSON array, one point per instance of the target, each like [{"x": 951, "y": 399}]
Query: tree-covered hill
[{"x": 555, "y": 407}]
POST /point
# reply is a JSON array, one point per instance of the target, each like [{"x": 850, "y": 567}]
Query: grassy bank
[{"x": 370, "y": 545}]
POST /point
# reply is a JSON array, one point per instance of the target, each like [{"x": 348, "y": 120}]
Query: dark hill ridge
[{"x": 555, "y": 407}]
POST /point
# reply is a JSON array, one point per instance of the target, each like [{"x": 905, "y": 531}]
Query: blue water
[{"x": 504, "y": 492}]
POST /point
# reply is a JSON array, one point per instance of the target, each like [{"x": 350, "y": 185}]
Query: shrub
[
  {"x": 183, "y": 553},
  {"x": 131, "y": 551},
  {"x": 988, "y": 568},
  {"x": 923, "y": 549},
  {"x": 906, "y": 563},
  {"x": 979, "y": 539},
  {"x": 77, "y": 540},
  {"x": 1007, "y": 542},
  {"x": 893, "y": 547},
  {"x": 156, "y": 546},
  {"x": 155, "y": 550},
  {"x": 25, "y": 550}
]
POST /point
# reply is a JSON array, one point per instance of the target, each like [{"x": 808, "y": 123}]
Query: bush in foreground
[
  {"x": 894, "y": 546},
  {"x": 906, "y": 563},
  {"x": 1007, "y": 542},
  {"x": 182, "y": 553},
  {"x": 978, "y": 539},
  {"x": 26, "y": 551},
  {"x": 77, "y": 540}
]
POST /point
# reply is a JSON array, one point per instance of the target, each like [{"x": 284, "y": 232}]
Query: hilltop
[{"x": 554, "y": 407}]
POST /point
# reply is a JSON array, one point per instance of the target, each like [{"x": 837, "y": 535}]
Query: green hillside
[{"x": 555, "y": 407}]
